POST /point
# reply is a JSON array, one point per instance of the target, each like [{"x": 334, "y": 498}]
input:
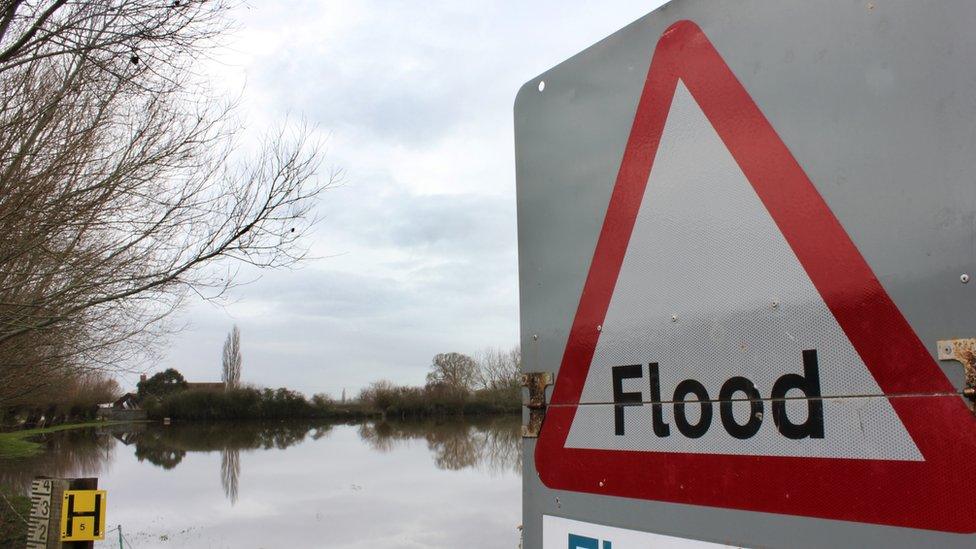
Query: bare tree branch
[{"x": 124, "y": 184}]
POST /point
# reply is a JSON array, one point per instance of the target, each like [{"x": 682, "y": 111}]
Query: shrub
[
  {"x": 241, "y": 403},
  {"x": 438, "y": 399}
]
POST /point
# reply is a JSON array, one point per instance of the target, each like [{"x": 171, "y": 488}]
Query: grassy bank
[{"x": 16, "y": 444}]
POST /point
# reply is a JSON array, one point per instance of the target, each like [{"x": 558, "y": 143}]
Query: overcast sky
[{"x": 417, "y": 249}]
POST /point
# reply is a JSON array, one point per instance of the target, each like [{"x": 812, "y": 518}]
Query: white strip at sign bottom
[{"x": 562, "y": 533}]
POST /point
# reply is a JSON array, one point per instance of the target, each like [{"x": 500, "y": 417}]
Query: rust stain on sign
[
  {"x": 536, "y": 382},
  {"x": 964, "y": 352}
]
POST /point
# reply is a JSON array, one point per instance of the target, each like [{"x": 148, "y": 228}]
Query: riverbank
[{"x": 16, "y": 444}]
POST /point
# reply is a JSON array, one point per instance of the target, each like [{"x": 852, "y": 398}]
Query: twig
[{"x": 12, "y": 508}]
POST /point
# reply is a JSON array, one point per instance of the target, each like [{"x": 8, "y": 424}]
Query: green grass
[
  {"x": 15, "y": 444},
  {"x": 14, "y": 508}
]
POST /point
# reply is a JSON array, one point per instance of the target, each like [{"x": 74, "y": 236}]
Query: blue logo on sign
[{"x": 584, "y": 542}]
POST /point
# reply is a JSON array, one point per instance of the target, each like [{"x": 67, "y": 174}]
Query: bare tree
[
  {"x": 455, "y": 371},
  {"x": 500, "y": 369},
  {"x": 232, "y": 359},
  {"x": 124, "y": 184},
  {"x": 380, "y": 394}
]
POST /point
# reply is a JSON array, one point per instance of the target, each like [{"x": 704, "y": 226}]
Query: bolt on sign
[
  {"x": 83, "y": 515},
  {"x": 742, "y": 282}
]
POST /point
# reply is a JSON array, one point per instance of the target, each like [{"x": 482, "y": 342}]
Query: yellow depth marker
[{"x": 83, "y": 515}]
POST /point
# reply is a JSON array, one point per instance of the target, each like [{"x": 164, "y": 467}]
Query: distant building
[
  {"x": 128, "y": 401},
  {"x": 125, "y": 408}
]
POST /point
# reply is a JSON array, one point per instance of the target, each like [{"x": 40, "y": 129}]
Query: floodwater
[{"x": 452, "y": 483}]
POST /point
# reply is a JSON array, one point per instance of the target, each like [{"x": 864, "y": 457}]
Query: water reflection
[
  {"x": 489, "y": 444},
  {"x": 230, "y": 472},
  {"x": 77, "y": 453},
  {"x": 158, "y": 476}
]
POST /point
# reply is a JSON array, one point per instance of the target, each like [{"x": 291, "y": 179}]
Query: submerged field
[{"x": 293, "y": 484}]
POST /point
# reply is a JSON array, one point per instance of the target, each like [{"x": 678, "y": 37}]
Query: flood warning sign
[{"x": 731, "y": 346}]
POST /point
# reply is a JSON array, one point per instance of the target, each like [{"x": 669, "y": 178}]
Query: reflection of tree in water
[
  {"x": 166, "y": 446},
  {"x": 167, "y": 458},
  {"x": 501, "y": 446},
  {"x": 492, "y": 444},
  {"x": 382, "y": 436},
  {"x": 230, "y": 472},
  {"x": 456, "y": 446},
  {"x": 73, "y": 453},
  {"x": 213, "y": 437},
  {"x": 151, "y": 447}
]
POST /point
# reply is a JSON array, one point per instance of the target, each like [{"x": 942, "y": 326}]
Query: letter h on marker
[{"x": 74, "y": 514}]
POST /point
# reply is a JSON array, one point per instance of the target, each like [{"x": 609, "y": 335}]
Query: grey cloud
[
  {"x": 381, "y": 215},
  {"x": 410, "y": 274},
  {"x": 482, "y": 225},
  {"x": 330, "y": 294}
]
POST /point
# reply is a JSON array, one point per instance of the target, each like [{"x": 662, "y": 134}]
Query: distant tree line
[
  {"x": 456, "y": 384},
  {"x": 74, "y": 397},
  {"x": 244, "y": 403},
  {"x": 166, "y": 394}
]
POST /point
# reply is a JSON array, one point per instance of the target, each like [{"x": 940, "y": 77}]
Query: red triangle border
[{"x": 930, "y": 494}]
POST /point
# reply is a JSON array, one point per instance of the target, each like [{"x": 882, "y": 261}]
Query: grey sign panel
[{"x": 769, "y": 302}]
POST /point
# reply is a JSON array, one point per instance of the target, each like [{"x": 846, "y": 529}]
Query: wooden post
[
  {"x": 78, "y": 484},
  {"x": 43, "y": 529}
]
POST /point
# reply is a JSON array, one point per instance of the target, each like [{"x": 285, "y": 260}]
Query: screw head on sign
[
  {"x": 674, "y": 318},
  {"x": 599, "y": 327},
  {"x": 964, "y": 278},
  {"x": 535, "y": 337}
]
